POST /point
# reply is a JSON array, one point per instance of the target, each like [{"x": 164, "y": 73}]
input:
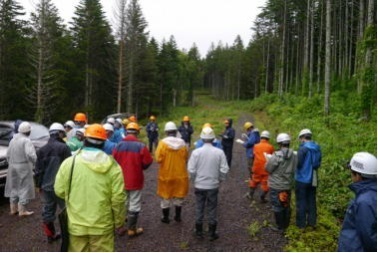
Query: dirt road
[{"x": 235, "y": 215}]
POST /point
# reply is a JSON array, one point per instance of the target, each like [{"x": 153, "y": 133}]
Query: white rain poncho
[{"x": 21, "y": 157}]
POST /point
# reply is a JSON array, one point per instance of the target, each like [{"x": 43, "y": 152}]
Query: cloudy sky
[{"x": 189, "y": 21}]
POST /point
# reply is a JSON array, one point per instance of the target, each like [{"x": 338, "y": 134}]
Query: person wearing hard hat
[
  {"x": 252, "y": 137},
  {"x": 21, "y": 156},
  {"x": 199, "y": 143},
  {"x": 186, "y": 130},
  {"x": 281, "y": 166},
  {"x": 49, "y": 160},
  {"x": 77, "y": 141},
  {"x": 359, "y": 229},
  {"x": 134, "y": 158},
  {"x": 109, "y": 145},
  {"x": 69, "y": 129},
  {"x": 95, "y": 200},
  {"x": 259, "y": 174},
  {"x": 309, "y": 160},
  {"x": 207, "y": 167},
  {"x": 173, "y": 177},
  {"x": 133, "y": 118},
  {"x": 228, "y": 137},
  {"x": 152, "y": 129}
]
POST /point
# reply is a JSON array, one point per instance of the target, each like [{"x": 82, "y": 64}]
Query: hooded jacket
[
  {"x": 304, "y": 168},
  {"x": 173, "y": 178},
  {"x": 281, "y": 168},
  {"x": 21, "y": 157},
  {"x": 133, "y": 157},
  {"x": 96, "y": 203},
  {"x": 186, "y": 131},
  {"x": 359, "y": 230},
  {"x": 259, "y": 162}
]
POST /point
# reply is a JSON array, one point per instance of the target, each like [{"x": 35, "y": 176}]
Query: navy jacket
[
  {"x": 186, "y": 132},
  {"x": 49, "y": 158},
  {"x": 228, "y": 135},
  {"x": 359, "y": 230}
]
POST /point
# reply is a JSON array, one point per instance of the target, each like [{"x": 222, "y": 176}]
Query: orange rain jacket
[{"x": 259, "y": 162}]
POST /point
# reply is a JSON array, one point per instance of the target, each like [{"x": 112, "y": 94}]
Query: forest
[{"x": 50, "y": 70}]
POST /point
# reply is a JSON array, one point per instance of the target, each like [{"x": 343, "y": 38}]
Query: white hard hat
[
  {"x": 56, "y": 127},
  {"x": 24, "y": 127},
  {"x": 70, "y": 123},
  {"x": 119, "y": 120},
  {"x": 111, "y": 120},
  {"x": 170, "y": 126},
  {"x": 207, "y": 133},
  {"x": 283, "y": 138},
  {"x": 80, "y": 131},
  {"x": 364, "y": 163},
  {"x": 304, "y": 132},
  {"x": 265, "y": 134},
  {"x": 108, "y": 127}
]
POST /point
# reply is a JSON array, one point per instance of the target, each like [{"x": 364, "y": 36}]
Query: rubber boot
[
  {"x": 250, "y": 194},
  {"x": 132, "y": 220},
  {"x": 165, "y": 218},
  {"x": 178, "y": 214},
  {"x": 279, "y": 217},
  {"x": 212, "y": 232},
  {"x": 13, "y": 209},
  {"x": 262, "y": 197},
  {"x": 49, "y": 229},
  {"x": 286, "y": 217},
  {"x": 22, "y": 210},
  {"x": 199, "y": 231}
]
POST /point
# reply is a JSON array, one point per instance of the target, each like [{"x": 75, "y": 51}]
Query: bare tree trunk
[
  {"x": 130, "y": 86},
  {"x": 267, "y": 67},
  {"x": 282, "y": 54},
  {"x": 327, "y": 71},
  {"x": 120, "y": 76},
  {"x": 361, "y": 26},
  {"x": 350, "y": 66},
  {"x": 310, "y": 84},
  {"x": 320, "y": 47}
]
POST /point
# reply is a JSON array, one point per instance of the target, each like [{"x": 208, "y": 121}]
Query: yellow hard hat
[
  {"x": 206, "y": 125},
  {"x": 186, "y": 118},
  {"x": 247, "y": 125},
  {"x": 152, "y": 117},
  {"x": 132, "y": 126}
]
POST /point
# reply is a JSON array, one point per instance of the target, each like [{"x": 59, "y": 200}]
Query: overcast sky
[{"x": 189, "y": 21}]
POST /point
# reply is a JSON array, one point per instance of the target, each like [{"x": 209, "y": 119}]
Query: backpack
[{"x": 316, "y": 154}]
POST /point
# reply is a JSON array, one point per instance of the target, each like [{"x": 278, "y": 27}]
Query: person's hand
[{"x": 239, "y": 141}]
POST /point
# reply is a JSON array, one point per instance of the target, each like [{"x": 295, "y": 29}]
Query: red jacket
[{"x": 133, "y": 157}]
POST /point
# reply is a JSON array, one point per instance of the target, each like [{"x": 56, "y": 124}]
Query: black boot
[
  {"x": 199, "y": 231},
  {"x": 132, "y": 229},
  {"x": 262, "y": 197},
  {"x": 250, "y": 194},
  {"x": 178, "y": 214},
  {"x": 212, "y": 232},
  {"x": 165, "y": 218},
  {"x": 279, "y": 217},
  {"x": 286, "y": 218}
]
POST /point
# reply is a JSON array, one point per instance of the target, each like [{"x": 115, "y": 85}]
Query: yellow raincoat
[{"x": 173, "y": 178}]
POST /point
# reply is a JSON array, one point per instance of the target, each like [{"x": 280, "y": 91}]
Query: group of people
[
  {"x": 102, "y": 187},
  {"x": 275, "y": 171}
]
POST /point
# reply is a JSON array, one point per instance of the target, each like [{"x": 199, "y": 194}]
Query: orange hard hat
[
  {"x": 132, "y": 126},
  {"x": 152, "y": 117},
  {"x": 186, "y": 118},
  {"x": 133, "y": 119},
  {"x": 80, "y": 117},
  {"x": 206, "y": 125},
  {"x": 96, "y": 131}
]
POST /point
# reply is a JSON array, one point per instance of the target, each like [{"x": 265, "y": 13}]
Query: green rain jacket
[{"x": 96, "y": 203}]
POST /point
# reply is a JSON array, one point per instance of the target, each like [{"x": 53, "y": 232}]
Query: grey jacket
[{"x": 281, "y": 167}]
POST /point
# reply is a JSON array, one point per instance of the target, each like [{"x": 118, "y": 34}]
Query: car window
[
  {"x": 39, "y": 132},
  {"x": 6, "y": 134}
]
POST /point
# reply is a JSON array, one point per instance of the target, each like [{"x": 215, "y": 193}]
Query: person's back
[
  {"x": 96, "y": 199},
  {"x": 259, "y": 158},
  {"x": 172, "y": 155}
]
